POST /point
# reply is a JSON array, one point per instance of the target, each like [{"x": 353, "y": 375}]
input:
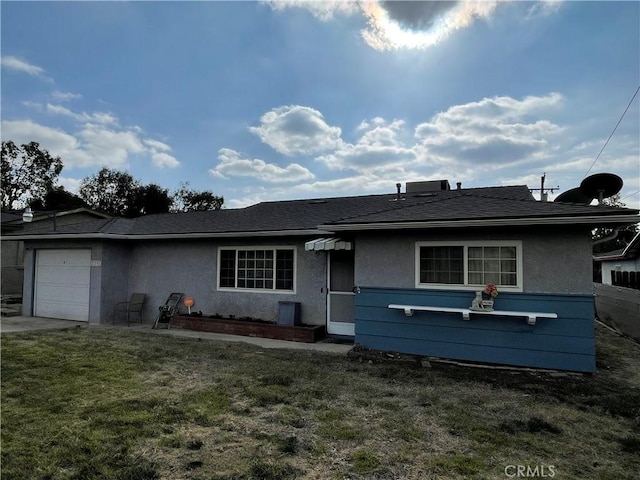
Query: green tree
[
  {"x": 112, "y": 192},
  {"x": 188, "y": 200},
  {"x": 119, "y": 194},
  {"x": 155, "y": 199},
  {"x": 621, "y": 239},
  {"x": 28, "y": 173},
  {"x": 58, "y": 199}
]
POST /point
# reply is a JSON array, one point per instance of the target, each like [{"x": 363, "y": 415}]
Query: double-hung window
[
  {"x": 469, "y": 264},
  {"x": 257, "y": 268}
]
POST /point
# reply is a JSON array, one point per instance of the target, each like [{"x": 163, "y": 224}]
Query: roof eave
[
  {"x": 171, "y": 236},
  {"x": 329, "y": 229},
  {"x": 605, "y": 258},
  {"x": 592, "y": 220}
]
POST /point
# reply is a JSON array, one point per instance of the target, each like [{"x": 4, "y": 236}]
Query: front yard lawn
[{"x": 110, "y": 403}]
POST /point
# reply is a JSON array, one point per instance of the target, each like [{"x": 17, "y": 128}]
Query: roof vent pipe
[
  {"x": 459, "y": 185},
  {"x": 613, "y": 236},
  {"x": 398, "y": 187}
]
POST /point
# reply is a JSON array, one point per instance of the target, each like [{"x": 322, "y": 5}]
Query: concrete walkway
[
  {"x": 322, "y": 346},
  {"x": 26, "y": 324},
  {"x": 29, "y": 324}
]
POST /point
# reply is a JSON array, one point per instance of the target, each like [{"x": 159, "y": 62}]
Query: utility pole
[{"x": 543, "y": 191}]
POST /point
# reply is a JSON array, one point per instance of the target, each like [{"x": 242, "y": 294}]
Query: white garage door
[{"x": 62, "y": 284}]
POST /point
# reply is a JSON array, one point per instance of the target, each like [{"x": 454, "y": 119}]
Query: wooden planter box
[{"x": 306, "y": 334}]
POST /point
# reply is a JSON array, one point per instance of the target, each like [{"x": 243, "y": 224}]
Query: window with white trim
[
  {"x": 469, "y": 264},
  {"x": 256, "y": 268}
]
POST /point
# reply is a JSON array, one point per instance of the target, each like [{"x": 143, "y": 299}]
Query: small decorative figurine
[
  {"x": 476, "y": 304},
  {"x": 483, "y": 302}
]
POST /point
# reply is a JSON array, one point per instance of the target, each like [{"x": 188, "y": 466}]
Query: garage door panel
[
  {"x": 71, "y": 275},
  {"x": 64, "y": 311},
  {"x": 62, "y": 284},
  {"x": 64, "y": 294},
  {"x": 66, "y": 257}
]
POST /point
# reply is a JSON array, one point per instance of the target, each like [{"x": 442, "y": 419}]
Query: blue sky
[{"x": 287, "y": 99}]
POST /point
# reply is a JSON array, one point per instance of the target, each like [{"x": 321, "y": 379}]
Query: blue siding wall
[{"x": 565, "y": 343}]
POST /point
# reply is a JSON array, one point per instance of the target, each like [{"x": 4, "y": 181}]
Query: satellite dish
[
  {"x": 574, "y": 195},
  {"x": 601, "y": 185}
]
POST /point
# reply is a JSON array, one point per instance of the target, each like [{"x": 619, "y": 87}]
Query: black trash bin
[{"x": 288, "y": 313}]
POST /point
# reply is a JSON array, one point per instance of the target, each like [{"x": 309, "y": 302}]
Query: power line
[
  {"x": 614, "y": 130},
  {"x": 630, "y": 195}
]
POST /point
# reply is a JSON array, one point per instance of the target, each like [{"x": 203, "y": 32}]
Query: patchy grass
[{"x": 94, "y": 403}]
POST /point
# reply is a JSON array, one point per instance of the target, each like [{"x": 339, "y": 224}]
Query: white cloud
[
  {"x": 294, "y": 130},
  {"x": 92, "y": 145},
  {"x": 379, "y": 146},
  {"x": 543, "y": 8},
  {"x": 102, "y": 146},
  {"x": 65, "y": 96},
  {"x": 483, "y": 143},
  {"x": 24, "y": 131},
  {"x": 60, "y": 110},
  {"x": 493, "y": 141},
  {"x": 163, "y": 160},
  {"x": 231, "y": 164},
  {"x": 18, "y": 65},
  {"x": 159, "y": 155},
  {"x": 156, "y": 145},
  {"x": 324, "y": 10},
  {"x": 95, "y": 117},
  {"x": 501, "y": 108},
  {"x": 351, "y": 185},
  {"x": 99, "y": 139},
  {"x": 70, "y": 184},
  {"x": 499, "y": 130},
  {"x": 35, "y": 105}
]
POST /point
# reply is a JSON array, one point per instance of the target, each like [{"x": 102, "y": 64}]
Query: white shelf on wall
[{"x": 466, "y": 312}]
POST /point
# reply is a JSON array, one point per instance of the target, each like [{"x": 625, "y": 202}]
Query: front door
[{"x": 340, "y": 298}]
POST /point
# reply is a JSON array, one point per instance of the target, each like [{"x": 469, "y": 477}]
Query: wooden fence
[{"x": 625, "y": 279}]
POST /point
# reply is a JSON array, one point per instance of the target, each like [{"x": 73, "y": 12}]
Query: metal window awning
[{"x": 327, "y": 244}]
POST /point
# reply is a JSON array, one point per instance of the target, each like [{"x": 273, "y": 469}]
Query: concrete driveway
[{"x": 29, "y": 324}]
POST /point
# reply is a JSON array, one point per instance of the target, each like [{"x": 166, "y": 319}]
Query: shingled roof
[{"x": 451, "y": 208}]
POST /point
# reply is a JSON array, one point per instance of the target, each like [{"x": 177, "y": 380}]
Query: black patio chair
[
  {"x": 170, "y": 308},
  {"x": 132, "y": 306}
]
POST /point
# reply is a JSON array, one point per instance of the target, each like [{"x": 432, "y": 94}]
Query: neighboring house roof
[
  {"x": 8, "y": 217},
  {"x": 491, "y": 206},
  {"x": 631, "y": 251},
  {"x": 12, "y": 220},
  {"x": 15, "y": 216}
]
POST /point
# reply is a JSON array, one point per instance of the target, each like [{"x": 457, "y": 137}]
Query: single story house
[
  {"x": 618, "y": 296},
  {"x": 613, "y": 265},
  {"x": 397, "y": 272}
]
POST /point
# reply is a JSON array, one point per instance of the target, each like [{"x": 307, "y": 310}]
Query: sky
[{"x": 289, "y": 99}]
